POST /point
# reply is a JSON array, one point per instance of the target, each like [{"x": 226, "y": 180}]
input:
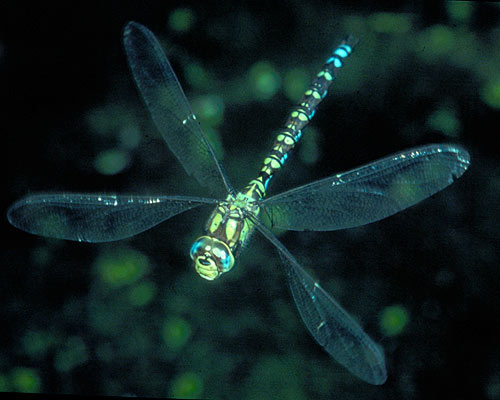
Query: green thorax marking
[
  {"x": 229, "y": 222},
  {"x": 227, "y": 231}
]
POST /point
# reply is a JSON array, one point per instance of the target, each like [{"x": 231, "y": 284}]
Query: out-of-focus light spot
[
  {"x": 103, "y": 120},
  {"x": 142, "y": 294},
  {"x": 111, "y": 162},
  {"x": 187, "y": 386},
  {"x": 435, "y": 41},
  {"x": 175, "y": 332},
  {"x": 181, "y": 20},
  {"x": 393, "y": 320},
  {"x": 122, "y": 266},
  {"x": 109, "y": 119},
  {"x": 71, "y": 355},
  {"x": 490, "y": 93},
  {"x": 460, "y": 11},
  {"x": 387, "y": 22},
  {"x": 197, "y": 76},
  {"x": 264, "y": 80},
  {"x": 37, "y": 343},
  {"x": 309, "y": 150},
  {"x": 25, "y": 380},
  {"x": 130, "y": 136},
  {"x": 209, "y": 109},
  {"x": 295, "y": 83},
  {"x": 406, "y": 194},
  {"x": 99, "y": 121},
  {"x": 445, "y": 121}
]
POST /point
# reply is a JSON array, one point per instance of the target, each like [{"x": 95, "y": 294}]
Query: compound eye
[
  {"x": 224, "y": 258},
  {"x": 199, "y": 247},
  {"x": 212, "y": 257}
]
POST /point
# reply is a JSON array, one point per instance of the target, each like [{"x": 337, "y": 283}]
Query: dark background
[{"x": 133, "y": 318}]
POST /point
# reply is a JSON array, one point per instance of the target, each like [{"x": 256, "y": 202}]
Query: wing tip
[
  {"x": 379, "y": 377},
  {"x": 132, "y": 27}
]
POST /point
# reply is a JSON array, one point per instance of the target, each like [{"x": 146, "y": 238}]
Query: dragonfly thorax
[{"x": 228, "y": 228}]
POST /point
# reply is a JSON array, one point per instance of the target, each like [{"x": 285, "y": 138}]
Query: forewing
[
  {"x": 94, "y": 217},
  {"x": 170, "y": 109},
  {"x": 368, "y": 193}
]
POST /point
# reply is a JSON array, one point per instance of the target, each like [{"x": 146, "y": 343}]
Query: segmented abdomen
[{"x": 299, "y": 117}]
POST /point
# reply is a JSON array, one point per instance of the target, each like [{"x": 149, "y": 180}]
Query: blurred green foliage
[
  {"x": 491, "y": 93},
  {"x": 197, "y": 76},
  {"x": 142, "y": 293},
  {"x": 25, "y": 380},
  {"x": 175, "y": 332},
  {"x": 393, "y": 320},
  {"x": 111, "y": 162},
  {"x": 181, "y": 19},
  {"x": 460, "y": 11},
  {"x": 72, "y": 354},
  {"x": 209, "y": 109},
  {"x": 445, "y": 120},
  {"x": 122, "y": 266},
  {"x": 36, "y": 344},
  {"x": 295, "y": 83},
  {"x": 310, "y": 149},
  {"x": 264, "y": 80},
  {"x": 186, "y": 386}
]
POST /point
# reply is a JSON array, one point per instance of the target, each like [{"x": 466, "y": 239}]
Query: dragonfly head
[{"x": 211, "y": 257}]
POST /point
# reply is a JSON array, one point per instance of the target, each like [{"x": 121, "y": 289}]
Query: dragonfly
[{"x": 363, "y": 195}]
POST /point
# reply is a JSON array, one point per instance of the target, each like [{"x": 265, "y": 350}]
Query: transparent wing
[
  {"x": 368, "y": 193},
  {"x": 328, "y": 322},
  {"x": 95, "y": 217},
  {"x": 170, "y": 109}
]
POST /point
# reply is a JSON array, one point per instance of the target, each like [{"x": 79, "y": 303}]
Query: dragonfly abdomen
[{"x": 299, "y": 117}]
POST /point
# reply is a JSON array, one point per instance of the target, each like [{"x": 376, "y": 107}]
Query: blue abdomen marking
[{"x": 299, "y": 117}]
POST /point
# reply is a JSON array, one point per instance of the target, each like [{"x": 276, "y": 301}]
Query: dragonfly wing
[
  {"x": 170, "y": 109},
  {"x": 94, "y": 217},
  {"x": 368, "y": 193},
  {"x": 329, "y": 324}
]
